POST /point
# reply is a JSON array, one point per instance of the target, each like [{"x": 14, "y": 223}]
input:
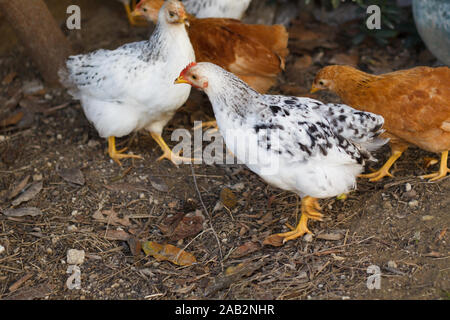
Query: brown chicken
[
  {"x": 415, "y": 104},
  {"x": 255, "y": 53}
]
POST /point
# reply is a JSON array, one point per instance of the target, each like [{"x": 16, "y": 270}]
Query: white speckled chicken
[
  {"x": 131, "y": 88},
  {"x": 299, "y": 144},
  {"x": 234, "y": 9}
]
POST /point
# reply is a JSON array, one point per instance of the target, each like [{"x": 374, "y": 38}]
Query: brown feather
[
  {"x": 255, "y": 53},
  {"x": 415, "y": 103}
]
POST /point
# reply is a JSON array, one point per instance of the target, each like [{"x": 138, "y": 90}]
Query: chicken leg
[
  {"x": 309, "y": 209},
  {"x": 136, "y": 22},
  {"x": 397, "y": 150},
  {"x": 118, "y": 154},
  {"x": 207, "y": 125},
  {"x": 443, "y": 170},
  {"x": 167, "y": 153}
]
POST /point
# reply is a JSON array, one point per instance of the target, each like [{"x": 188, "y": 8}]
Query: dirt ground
[{"x": 398, "y": 224}]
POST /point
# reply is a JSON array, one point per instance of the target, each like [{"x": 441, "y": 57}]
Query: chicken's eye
[
  {"x": 144, "y": 9},
  {"x": 194, "y": 77},
  {"x": 171, "y": 14},
  {"x": 321, "y": 82}
]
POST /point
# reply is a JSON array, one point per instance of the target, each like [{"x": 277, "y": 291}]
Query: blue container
[{"x": 432, "y": 19}]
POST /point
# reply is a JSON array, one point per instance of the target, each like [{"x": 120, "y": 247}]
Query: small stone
[
  {"x": 392, "y": 264},
  {"x": 408, "y": 187},
  {"x": 72, "y": 228},
  {"x": 74, "y": 213},
  {"x": 49, "y": 251},
  {"x": 2, "y": 249},
  {"x": 59, "y": 136},
  {"x": 37, "y": 177},
  {"x": 142, "y": 196},
  {"x": 413, "y": 203},
  {"x": 75, "y": 256},
  {"x": 93, "y": 143},
  {"x": 308, "y": 237}
]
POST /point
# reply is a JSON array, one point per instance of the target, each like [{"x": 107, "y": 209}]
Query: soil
[{"x": 384, "y": 224}]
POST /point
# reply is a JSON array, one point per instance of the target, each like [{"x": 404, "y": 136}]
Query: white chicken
[
  {"x": 131, "y": 88},
  {"x": 233, "y": 9},
  {"x": 297, "y": 144}
]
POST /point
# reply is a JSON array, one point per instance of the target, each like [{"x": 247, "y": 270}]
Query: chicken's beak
[
  {"x": 314, "y": 89},
  {"x": 136, "y": 13},
  {"x": 186, "y": 22},
  {"x": 180, "y": 79}
]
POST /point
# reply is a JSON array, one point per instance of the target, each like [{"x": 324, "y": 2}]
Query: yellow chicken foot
[
  {"x": 134, "y": 21},
  {"x": 207, "y": 125},
  {"x": 309, "y": 209},
  {"x": 167, "y": 152},
  {"x": 443, "y": 170},
  {"x": 117, "y": 154},
  {"x": 384, "y": 170}
]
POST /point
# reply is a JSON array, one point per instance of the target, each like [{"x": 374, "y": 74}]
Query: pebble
[
  {"x": 37, "y": 177},
  {"x": 408, "y": 187},
  {"x": 2, "y": 249},
  {"x": 75, "y": 256},
  {"x": 72, "y": 228},
  {"x": 392, "y": 264},
  {"x": 59, "y": 136},
  {"x": 93, "y": 143},
  {"x": 49, "y": 250},
  {"x": 308, "y": 237},
  {"x": 413, "y": 203}
]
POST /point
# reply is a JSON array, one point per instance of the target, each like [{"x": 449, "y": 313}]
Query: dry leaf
[
  {"x": 111, "y": 217},
  {"x": 12, "y": 120},
  {"x": 182, "y": 226},
  {"x": 245, "y": 249},
  {"x": 18, "y": 187},
  {"x": 30, "y": 211},
  {"x": 135, "y": 245},
  {"x": 228, "y": 198},
  {"x": 115, "y": 235},
  {"x": 29, "y": 194},
  {"x": 168, "y": 252},
  {"x": 73, "y": 175},
  {"x": 273, "y": 240}
]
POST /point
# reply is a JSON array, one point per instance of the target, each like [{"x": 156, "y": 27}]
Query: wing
[
  {"x": 106, "y": 74},
  {"x": 302, "y": 132},
  {"x": 360, "y": 127}
]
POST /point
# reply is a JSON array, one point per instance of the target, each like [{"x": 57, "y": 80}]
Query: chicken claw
[
  {"x": 384, "y": 170},
  {"x": 167, "y": 152},
  {"x": 443, "y": 170},
  {"x": 118, "y": 154},
  {"x": 309, "y": 209}
]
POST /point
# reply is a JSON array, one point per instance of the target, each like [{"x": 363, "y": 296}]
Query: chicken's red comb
[
  {"x": 139, "y": 4},
  {"x": 190, "y": 65}
]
